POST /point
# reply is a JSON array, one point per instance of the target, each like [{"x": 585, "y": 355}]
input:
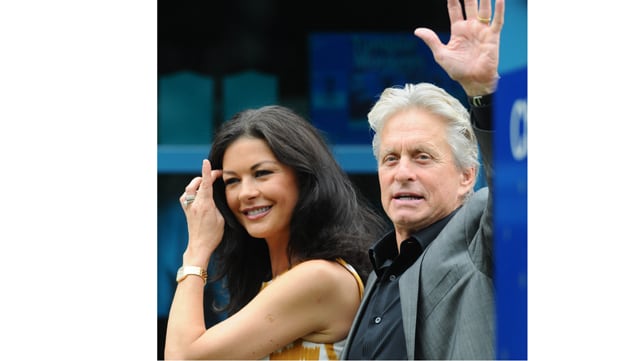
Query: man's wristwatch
[
  {"x": 480, "y": 101},
  {"x": 185, "y": 271}
]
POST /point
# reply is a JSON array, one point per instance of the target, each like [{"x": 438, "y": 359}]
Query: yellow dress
[{"x": 306, "y": 350}]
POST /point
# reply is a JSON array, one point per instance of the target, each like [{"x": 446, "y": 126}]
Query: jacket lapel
[{"x": 409, "y": 291}]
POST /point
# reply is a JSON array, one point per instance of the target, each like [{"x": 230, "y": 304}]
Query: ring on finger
[
  {"x": 483, "y": 20},
  {"x": 189, "y": 198}
]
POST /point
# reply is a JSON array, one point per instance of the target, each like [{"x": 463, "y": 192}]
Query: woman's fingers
[
  {"x": 190, "y": 191},
  {"x": 205, "y": 189},
  {"x": 200, "y": 187}
]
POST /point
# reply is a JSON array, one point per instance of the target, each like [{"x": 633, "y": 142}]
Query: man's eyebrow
[{"x": 421, "y": 146}]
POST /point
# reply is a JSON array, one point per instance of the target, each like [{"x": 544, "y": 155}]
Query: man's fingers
[
  {"x": 430, "y": 38},
  {"x": 498, "y": 19},
  {"x": 454, "y": 11},
  {"x": 484, "y": 11},
  {"x": 470, "y": 7}
]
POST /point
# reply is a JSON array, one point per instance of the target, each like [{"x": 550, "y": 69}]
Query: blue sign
[
  {"x": 348, "y": 71},
  {"x": 510, "y": 181}
]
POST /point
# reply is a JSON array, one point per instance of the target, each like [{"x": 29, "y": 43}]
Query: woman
[{"x": 286, "y": 228}]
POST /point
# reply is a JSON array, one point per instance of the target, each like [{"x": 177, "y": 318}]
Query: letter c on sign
[{"x": 518, "y": 130}]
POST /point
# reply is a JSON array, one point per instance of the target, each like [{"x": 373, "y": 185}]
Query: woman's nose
[{"x": 248, "y": 189}]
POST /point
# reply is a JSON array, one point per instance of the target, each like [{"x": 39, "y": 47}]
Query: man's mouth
[{"x": 407, "y": 197}]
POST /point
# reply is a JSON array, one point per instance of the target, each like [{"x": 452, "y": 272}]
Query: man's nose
[{"x": 405, "y": 170}]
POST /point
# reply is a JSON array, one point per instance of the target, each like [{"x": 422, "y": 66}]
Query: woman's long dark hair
[{"x": 331, "y": 218}]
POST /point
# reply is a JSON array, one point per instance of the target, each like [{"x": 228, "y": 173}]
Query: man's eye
[{"x": 425, "y": 157}]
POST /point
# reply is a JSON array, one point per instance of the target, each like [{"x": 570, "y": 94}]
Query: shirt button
[
  {"x": 393, "y": 277},
  {"x": 377, "y": 320}
]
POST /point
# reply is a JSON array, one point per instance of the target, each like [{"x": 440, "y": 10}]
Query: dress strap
[{"x": 354, "y": 273}]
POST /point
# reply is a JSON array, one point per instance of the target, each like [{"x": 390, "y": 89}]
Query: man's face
[{"x": 420, "y": 183}]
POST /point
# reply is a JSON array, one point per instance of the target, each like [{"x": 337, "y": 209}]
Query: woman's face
[{"x": 260, "y": 191}]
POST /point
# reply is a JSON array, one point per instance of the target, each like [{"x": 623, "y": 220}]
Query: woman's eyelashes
[
  {"x": 229, "y": 181},
  {"x": 262, "y": 172},
  {"x": 257, "y": 174}
]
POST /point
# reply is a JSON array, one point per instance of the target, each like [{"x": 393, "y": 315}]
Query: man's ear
[{"x": 467, "y": 179}]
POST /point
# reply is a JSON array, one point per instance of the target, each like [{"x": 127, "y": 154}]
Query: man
[{"x": 431, "y": 294}]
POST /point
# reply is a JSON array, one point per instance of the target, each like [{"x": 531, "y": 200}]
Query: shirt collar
[{"x": 385, "y": 249}]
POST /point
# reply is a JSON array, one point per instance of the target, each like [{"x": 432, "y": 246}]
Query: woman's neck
[{"x": 279, "y": 260}]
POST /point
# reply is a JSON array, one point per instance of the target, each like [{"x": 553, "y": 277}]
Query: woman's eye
[
  {"x": 229, "y": 181},
  {"x": 262, "y": 173}
]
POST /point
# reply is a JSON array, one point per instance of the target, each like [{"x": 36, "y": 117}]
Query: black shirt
[{"x": 379, "y": 334}]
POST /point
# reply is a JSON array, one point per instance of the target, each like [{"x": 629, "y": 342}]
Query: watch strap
[
  {"x": 185, "y": 271},
  {"x": 480, "y": 101}
]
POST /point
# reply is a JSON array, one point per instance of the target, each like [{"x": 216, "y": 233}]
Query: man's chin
[{"x": 408, "y": 221}]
